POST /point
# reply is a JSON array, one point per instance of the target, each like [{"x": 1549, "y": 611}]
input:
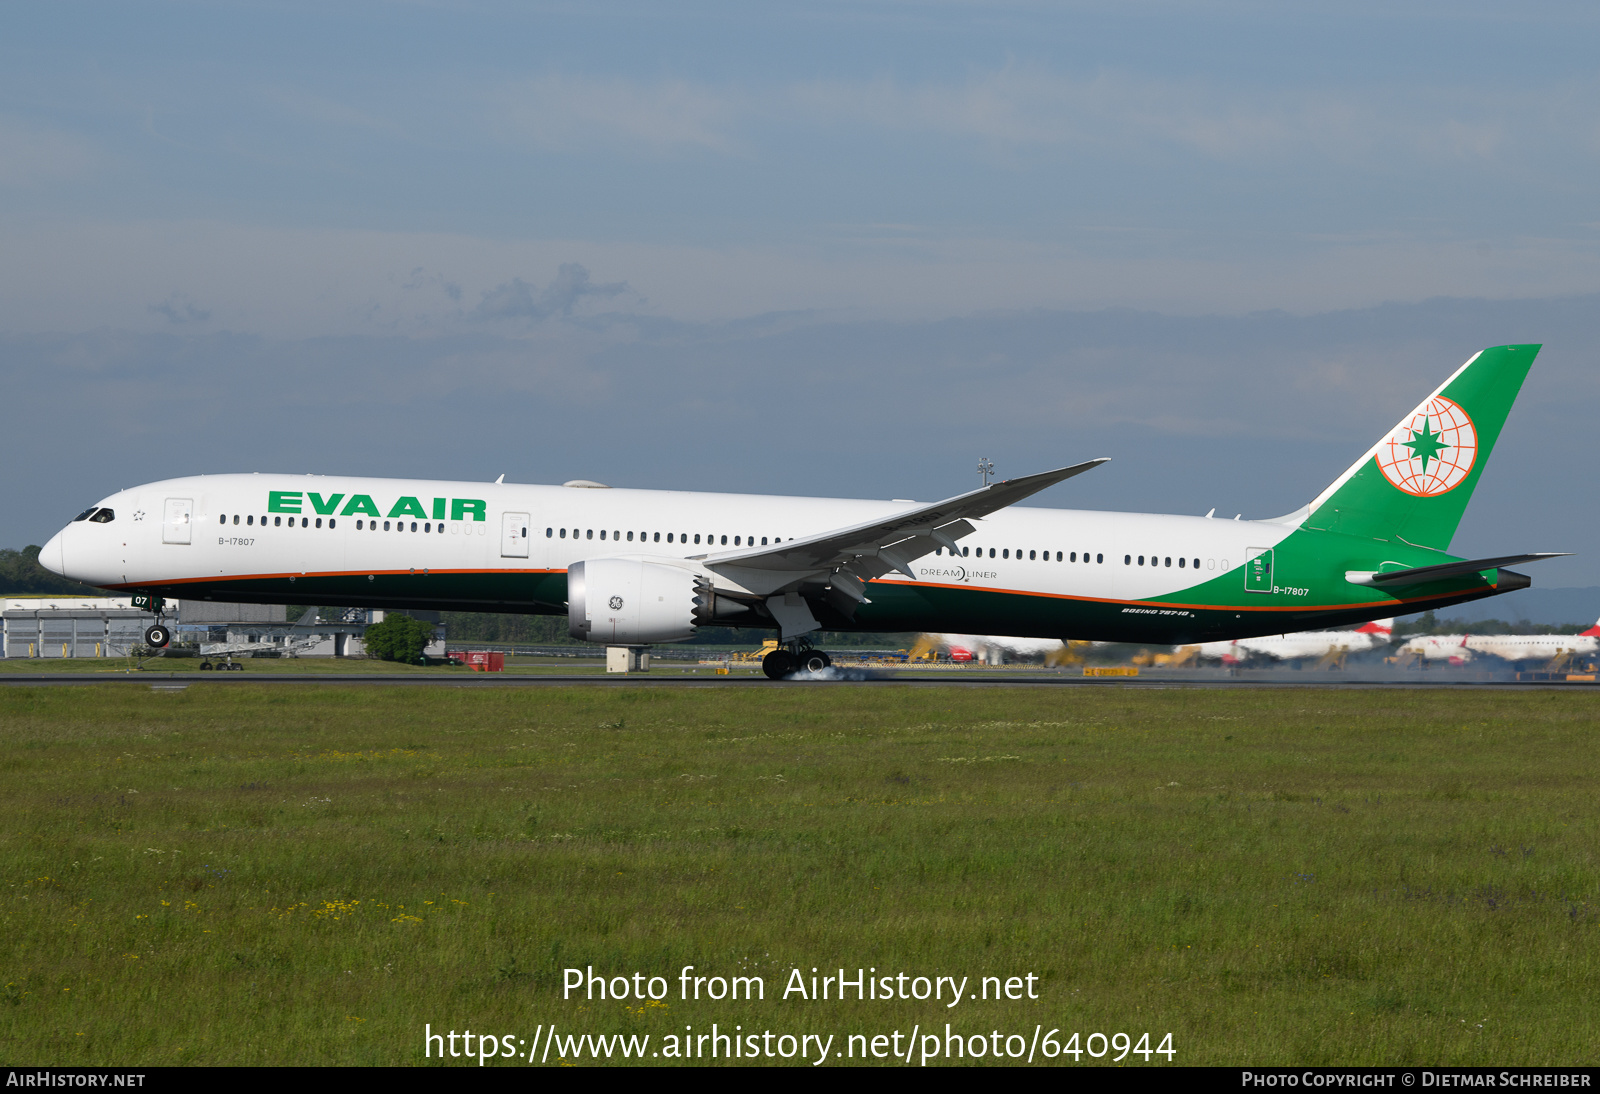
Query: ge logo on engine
[{"x": 616, "y": 603}]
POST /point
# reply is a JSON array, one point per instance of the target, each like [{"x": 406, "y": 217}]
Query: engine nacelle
[{"x": 630, "y": 602}]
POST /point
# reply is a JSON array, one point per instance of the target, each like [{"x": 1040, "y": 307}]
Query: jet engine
[{"x": 635, "y": 602}]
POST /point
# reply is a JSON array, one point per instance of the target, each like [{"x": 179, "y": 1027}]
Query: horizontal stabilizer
[{"x": 1418, "y": 574}]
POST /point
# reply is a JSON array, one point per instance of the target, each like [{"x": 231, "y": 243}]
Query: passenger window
[
  {"x": 563, "y": 533},
  {"x": 602, "y": 533},
  {"x": 964, "y": 551},
  {"x": 1030, "y": 556},
  {"x": 1180, "y": 563},
  {"x": 385, "y": 526},
  {"x": 236, "y": 518},
  {"x": 319, "y": 522},
  {"x": 250, "y": 520},
  {"x": 669, "y": 536},
  {"x": 736, "y": 541},
  {"x": 697, "y": 537},
  {"x": 630, "y": 537},
  {"x": 332, "y": 522},
  {"x": 549, "y": 533},
  {"x": 658, "y": 538},
  {"x": 1075, "y": 557},
  {"x": 991, "y": 552},
  {"x": 1097, "y": 558},
  {"x": 1197, "y": 564},
  {"x": 763, "y": 541},
  {"x": 724, "y": 541},
  {"x": 1169, "y": 560},
  {"x": 359, "y": 525},
  {"x": 1127, "y": 560},
  {"x": 277, "y": 521},
  {"x": 1005, "y": 553},
  {"x": 590, "y": 534}
]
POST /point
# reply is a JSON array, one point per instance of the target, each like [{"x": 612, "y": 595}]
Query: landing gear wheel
[
  {"x": 157, "y": 636},
  {"x": 236, "y": 667},
  {"x": 814, "y": 661},
  {"x": 205, "y": 666},
  {"x": 778, "y": 664}
]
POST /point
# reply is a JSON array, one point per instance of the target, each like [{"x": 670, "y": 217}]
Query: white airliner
[
  {"x": 1460, "y": 648},
  {"x": 1298, "y": 647},
  {"x": 633, "y": 567},
  {"x": 1536, "y": 647}
]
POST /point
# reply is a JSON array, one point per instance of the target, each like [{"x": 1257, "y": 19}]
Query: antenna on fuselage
[{"x": 500, "y": 480}]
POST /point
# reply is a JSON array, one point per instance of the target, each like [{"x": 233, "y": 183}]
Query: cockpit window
[
  {"x": 85, "y": 514},
  {"x": 104, "y": 516}
]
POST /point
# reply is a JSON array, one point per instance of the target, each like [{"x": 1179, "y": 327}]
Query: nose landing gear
[{"x": 156, "y": 636}]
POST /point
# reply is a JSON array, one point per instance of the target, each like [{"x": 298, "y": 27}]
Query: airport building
[
  {"x": 71, "y": 626},
  {"x": 81, "y": 626}
]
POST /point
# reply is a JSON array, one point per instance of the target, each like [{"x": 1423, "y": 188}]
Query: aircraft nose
[{"x": 51, "y": 555}]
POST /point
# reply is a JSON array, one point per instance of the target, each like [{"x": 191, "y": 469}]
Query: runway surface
[{"x": 832, "y": 677}]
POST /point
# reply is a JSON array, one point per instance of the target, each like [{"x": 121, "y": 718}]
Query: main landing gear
[{"x": 786, "y": 661}]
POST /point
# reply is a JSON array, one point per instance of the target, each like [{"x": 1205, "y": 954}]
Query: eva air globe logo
[{"x": 1432, "y": 451}]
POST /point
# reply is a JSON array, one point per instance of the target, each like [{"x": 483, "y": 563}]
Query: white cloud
[{"x": 306, "y": 282}]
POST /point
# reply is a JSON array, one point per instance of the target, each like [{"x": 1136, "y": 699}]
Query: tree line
[{"x": 21, "y": 573}]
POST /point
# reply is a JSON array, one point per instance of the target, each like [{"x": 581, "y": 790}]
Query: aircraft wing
[{"x": 848, "y": 557}]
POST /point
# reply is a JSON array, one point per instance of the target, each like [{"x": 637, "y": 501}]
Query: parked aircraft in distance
[
  {"x": 1460, "y": 648},
  {"x": 1305, "y": 645},
  {"x": 982, "y": 647},
  {"x": 1536, "y": 647},
  {"x": 1451, "y": 648},
  {"x": 634, "y": 567}
]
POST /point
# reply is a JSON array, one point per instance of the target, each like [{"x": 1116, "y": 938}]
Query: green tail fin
[{"x": 1414, "y": 484}]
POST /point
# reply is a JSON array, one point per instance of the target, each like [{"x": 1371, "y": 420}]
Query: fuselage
[
  {"x": 502, "y": 547},
  {"x": 1532, "y": 647}
]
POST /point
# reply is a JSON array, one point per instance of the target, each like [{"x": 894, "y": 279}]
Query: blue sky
[{"x": 873, "y": 231}]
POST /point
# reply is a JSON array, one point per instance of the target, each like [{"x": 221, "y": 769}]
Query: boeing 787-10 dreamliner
[{"x": 635, "y": 567}]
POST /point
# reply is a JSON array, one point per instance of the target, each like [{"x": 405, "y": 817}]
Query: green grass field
[{"x": 308, "y": 875}]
